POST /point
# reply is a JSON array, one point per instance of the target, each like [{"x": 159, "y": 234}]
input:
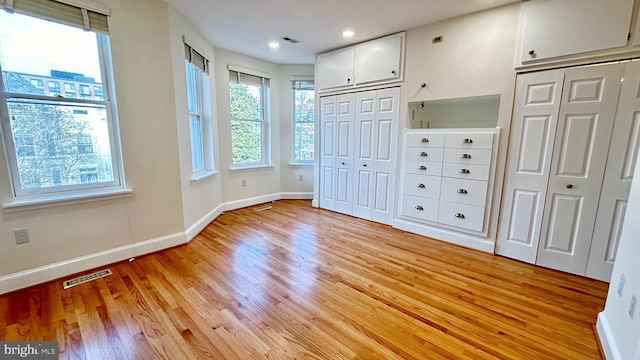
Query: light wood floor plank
[{"x": 294, "y": 282}]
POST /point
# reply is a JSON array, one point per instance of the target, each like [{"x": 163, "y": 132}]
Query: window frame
[
  {"x": 294, "y": 122},
  {"x": 74, "y": 191},
  {"x": 265, "y": 116}
]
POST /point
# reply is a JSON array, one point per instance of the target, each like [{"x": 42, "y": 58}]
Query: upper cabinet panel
[
  {"x": 335, "y": 69},
  {"x": 378, "y": 60},
  {"x": 551, "y": 29},
  {"x": 374, "y": 62}
]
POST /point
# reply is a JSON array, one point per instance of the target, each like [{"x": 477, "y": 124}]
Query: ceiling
[{"x": 247, "y": 26}]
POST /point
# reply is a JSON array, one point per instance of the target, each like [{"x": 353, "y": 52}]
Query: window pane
[
  {"x": 33, "y": 46},
  {"x": 197, "y": 153},
  {"x": 304, "y": 100},
  {"x": 56, "y": 144},
  {"x": 246, "y": 137},
  {"x": 245, "y": 101},
  {"x": 303, "y": 150}
]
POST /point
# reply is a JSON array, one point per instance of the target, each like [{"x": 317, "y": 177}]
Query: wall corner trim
[{"x": 607, "y": 340}]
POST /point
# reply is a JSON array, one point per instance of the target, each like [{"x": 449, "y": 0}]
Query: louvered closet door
[
  {"x": 621, "y": 163},
  {"x": 585, "y": 123},
  {"x": 533, "y": 128},
  {"x": 328, "y": 117},
  {"x": 345, "y": 106}
]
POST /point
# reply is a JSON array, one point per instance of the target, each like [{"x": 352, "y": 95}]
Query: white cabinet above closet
[
  {"x": 374, "y": 62},
  {"x": 553, "y": 29}
]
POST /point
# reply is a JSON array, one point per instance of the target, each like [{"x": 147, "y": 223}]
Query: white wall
[
  {"x": 290, "y": 174},
  {"x": 201, "y": 200},
  {"x": 619, "y": 333}
]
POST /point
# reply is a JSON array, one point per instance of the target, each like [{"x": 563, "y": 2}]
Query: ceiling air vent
[{"x": 290, "y": 39}]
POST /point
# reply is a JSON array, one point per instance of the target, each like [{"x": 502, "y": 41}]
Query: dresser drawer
[
  {"x": 471, "y": 192},
  {"x": 466, "y": 171},
  {"x": 469, "y": 141},
  {"x": 467, "y": 156},
  {"x": 419, "y": 208},
  {"x": 460, "y": 215},
  {"x": 421, "y": 185},
  {"x": 424, "y": 154},
  {"x": 425, "y": 140},
  {"x": 433, "y": 168}
]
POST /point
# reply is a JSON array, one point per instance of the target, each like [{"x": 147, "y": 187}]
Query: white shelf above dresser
[{"x": 447, "y": 184}]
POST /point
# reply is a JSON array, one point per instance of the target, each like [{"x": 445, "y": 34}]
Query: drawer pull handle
[
  {"x": 418, "y": 207},
  {"x": 464, "y": 171},
  {"x": 460, "y": 216},
  {"x": 424, "y": 154},
  {"x": 424, "y": 140},
  {"x": 466, "y": 156},
  {"x": 422, "y": 167},
  {"x": 467, "y": 141},
  {"x": 421, "y": 186},
  {"x": 462, "y": 191}
]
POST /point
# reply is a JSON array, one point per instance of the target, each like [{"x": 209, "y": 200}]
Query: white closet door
[
  {"x": 585, "y": 124},
  {"x": 328, "y": 117},
  {"x": 385, "y": 150},
  {"x": 621, "y": 163},
  {"x": 533, "y": 128},
  {"x": 345, "y": 105},
  {"x": 364, "y": 148}
]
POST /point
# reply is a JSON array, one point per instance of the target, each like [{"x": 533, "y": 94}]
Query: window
[
  {"x": 54, "y": 88},
  {"x": 98, "y": 94},
  {"x": 197, "y": 68},
  {"x": 85, "y": 92},
  {"x": 249, "y": 99},
  {"x": 303, "y": 121},
  {"x": 37, "y": 83},
  {"x": 69, "y": 90},
  {"x": 56, "y": 145}
]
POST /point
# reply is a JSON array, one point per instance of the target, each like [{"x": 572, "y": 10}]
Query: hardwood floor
[{"x": 297, "y": 282}]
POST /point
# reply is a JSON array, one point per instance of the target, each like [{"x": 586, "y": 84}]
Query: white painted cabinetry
[
  {"x": 358, "y": 135},
  {"x": 374, "y": 62},
  {"x": 551, "y": 29},
  {"x": 447, "y": 180}
]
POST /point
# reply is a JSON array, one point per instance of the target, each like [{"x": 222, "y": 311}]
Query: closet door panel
[
  {"x": 345, "y": 107},
  {"x": 365, "y": 122},
  {"x": 328, "y": 117}
]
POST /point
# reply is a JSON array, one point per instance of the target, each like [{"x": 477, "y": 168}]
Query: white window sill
[
  {"x": 201, "y": 176},
  {"x": 295, "y": 164},
  {"x": 251, "y": 168},
  {"x": 68, "y": 199}
]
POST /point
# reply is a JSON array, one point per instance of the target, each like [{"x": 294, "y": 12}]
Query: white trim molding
[{"x": 607, "y": 340}]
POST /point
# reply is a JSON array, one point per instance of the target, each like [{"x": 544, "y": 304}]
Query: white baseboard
[
  {"x": 453, "y": 237},
  {"x": 23, "y": 279},
  {"x": 199, "y": 225},
  {"x": 50, "y": 272},
  {"x": 315, "y": 203},
  {"x": 296, "y": 195},
  {"x": 607, "y": 340}
]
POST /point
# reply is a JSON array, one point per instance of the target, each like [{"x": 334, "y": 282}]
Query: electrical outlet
[
  {"x": 22, "y": 236},
  {"x": 632, "y": 305},
  {"x": 300, "y": 178},
  {"x": 621, "y": 285},
  {"x": 244, "y": 183}
]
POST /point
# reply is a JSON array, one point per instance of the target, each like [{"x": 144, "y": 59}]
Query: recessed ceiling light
[
  {"x": 274, "y": 44},
  {"x": 347, "y": 33}
]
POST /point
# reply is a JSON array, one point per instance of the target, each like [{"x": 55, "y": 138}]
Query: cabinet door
[
  {"x": 364, "y": 148},
  {"x": 533, "y": 129},
  {"x": 385, "y": 154},
  {"x": 585, "y": 124},
  {"x": 335, "y": 70},
  {"x": 328, "y": 117},
  {"x": 378, "y": 60},
  {"x": 558, "y": 28},
  {"x": 621, "y": 163},
  {"x": 345, "y": 106}
]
